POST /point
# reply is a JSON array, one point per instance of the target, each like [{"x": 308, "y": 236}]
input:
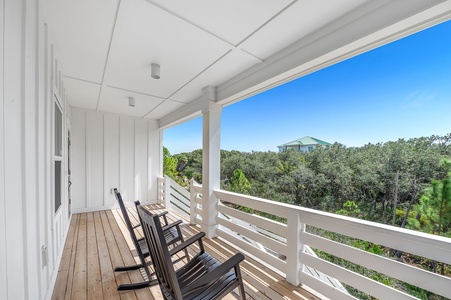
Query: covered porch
[
  {"x": 280, "y": 262},
  {"x": 99, "y": 241},
  {"x": 82, "y": 112}
]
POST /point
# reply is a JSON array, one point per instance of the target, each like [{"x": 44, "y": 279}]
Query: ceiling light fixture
[
  {"x": 131, "y": 101},
  {"x": 155, "y": 71}
]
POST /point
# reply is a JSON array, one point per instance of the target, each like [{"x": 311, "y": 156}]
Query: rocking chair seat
[
  {"x": 171, "y": 235},
  {"x": 206, "y": 265}
]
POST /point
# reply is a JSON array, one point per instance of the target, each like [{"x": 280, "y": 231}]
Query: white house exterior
[
  {"x": 304, "y": 144},
  {"x": 62, "y": 63}
]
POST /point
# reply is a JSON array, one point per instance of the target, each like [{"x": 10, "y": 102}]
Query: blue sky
[{"x": 400, "y": 90}]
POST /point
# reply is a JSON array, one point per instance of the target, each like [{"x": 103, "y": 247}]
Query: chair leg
[
  {"x": 240, "y": 282},
  {"x": 186, "y": 255}
]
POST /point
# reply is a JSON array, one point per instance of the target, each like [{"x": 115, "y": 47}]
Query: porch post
[
  {"x": 294, "y": 265},
  {"x": 210, "y": 161}
]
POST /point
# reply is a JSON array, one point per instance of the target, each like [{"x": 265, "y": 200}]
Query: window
[
  {"x": 57, "y": 185},
  {"x": 58, "y": 155}
]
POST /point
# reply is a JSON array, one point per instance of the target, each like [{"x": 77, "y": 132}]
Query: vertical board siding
[
  {"x": 13, "y": 141},
  {"x": 127, "y": 158},
  {"x": 111, "y": 151},
  {"x": 25, "y": 155},
  {"x": 112, "y": 159},
  {"x": 42, "y": 180},
  {"x": 3, "y": 274},
  {"x": 94, "y": 124},
  {"x": 78, "y": 123},
  {"x": 140, "y": 159},
  {"x": 154, "y": 152},
  {"x": 30, "y": 133}
]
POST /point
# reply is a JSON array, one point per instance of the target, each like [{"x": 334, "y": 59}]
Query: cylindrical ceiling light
[
  {"x": 131, "y": 101},
  {"x": 155, "y": 71}
]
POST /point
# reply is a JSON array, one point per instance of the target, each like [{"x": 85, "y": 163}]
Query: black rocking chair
[
  {"x": 203, "y": 277},
  {"x": 172, "y": 234}
]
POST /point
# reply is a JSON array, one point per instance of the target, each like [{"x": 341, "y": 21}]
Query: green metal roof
[{"x": 305, "y": 141}]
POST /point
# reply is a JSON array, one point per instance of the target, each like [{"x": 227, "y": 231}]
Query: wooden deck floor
[{"x": 98, "y": 241}]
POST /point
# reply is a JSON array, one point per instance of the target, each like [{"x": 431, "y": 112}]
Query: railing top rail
[
  {"x": 268, "y": 206},
  {"x": 366, "y": 230}
]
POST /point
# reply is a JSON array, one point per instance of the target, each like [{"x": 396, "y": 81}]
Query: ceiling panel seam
[
  {"x": 191, "y": 23},
  {"x": 83, "y": 80},
  {"x": 266, "y": 23},
  {"x": 108, "y": 52},
  {"x": 134, "y": 92},
  {"x": 200, "y": 73},
  {"x": 222, "y": 39},
  {"x": 252, "y": 56},
  {"x": 146, "y": 114}
]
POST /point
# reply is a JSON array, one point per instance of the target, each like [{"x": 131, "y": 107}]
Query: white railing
[
  {"x": 173, "y": 195},
  {"x": 416, "y": 243},
  {"x": 285, "y": 246}
]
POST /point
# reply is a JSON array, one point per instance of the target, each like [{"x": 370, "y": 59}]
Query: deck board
[
  {"x": 79, "y": 284},
  {"x": 94, "y": 275},
  {"x": 97, "y": 242}
]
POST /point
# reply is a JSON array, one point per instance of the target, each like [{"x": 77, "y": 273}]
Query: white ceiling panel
[
  {"x": 105, "y": 48},
  {"x": 116, "y": 101},
  {"x": 82, "y": 35},
  {"x": 146, "y": 34},
  {"x": 231, "y": 20},
  {"x": 81, "y": 93},
  {"x": 164, "y": 109},
  {"x": 233, "y": 63},
  {"x": 303, "y": 18}
]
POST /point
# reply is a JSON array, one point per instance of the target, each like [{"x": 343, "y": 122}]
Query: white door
[{"x": 69, "y": 182}]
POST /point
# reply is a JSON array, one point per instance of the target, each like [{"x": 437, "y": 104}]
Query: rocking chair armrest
[
  {"x": 163, "y": 214},
  {"x": 176, "y": 223},
  {"x": 215, "y": 274},
  {"x": 195, "y": 238}
]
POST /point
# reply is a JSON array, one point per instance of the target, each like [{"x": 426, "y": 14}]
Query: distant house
[{"x": 304, "y": 144}]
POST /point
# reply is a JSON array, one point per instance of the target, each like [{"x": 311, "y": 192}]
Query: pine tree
[{"x": 239, "y": 182}]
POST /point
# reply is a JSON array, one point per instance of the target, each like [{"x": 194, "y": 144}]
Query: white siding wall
[
  {"x": 26, "y": 153},
  {"x": 111, "y": 151},
  {"x": 3, "y": 273}
]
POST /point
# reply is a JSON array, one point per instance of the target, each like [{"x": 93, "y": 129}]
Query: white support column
[
  {"x": 211, "y": 154},
  {"x": 294, "y": 265}
]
